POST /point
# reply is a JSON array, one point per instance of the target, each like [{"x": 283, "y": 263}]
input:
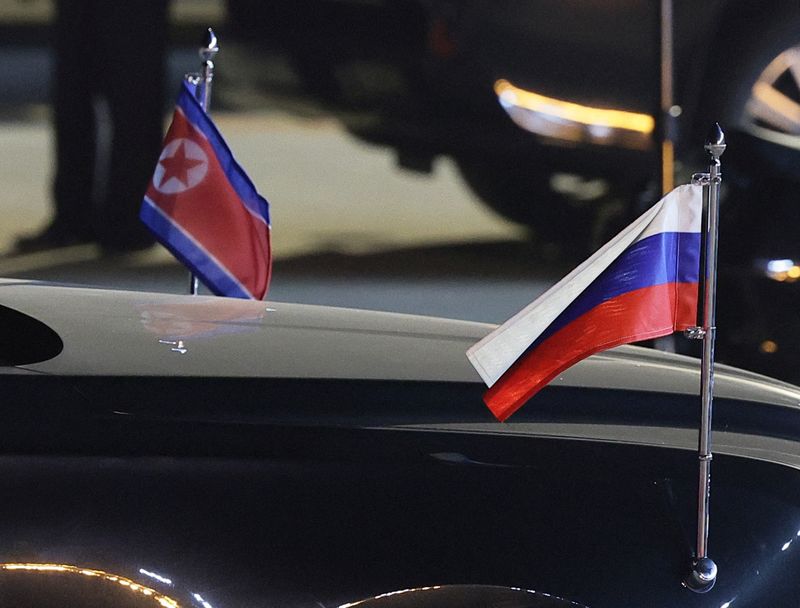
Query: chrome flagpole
[
  {"x": 668, "y": 111},
  {"x": 703, "y": 573},
  {"x": 202, "y": 82}
]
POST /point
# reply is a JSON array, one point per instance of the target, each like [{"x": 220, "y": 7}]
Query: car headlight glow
[{"x": 572, "y": 121}]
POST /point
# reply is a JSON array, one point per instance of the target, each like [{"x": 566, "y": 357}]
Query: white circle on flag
[{"x": 181, "y": 166}]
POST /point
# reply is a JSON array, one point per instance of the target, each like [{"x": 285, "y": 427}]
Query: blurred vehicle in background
[
  {"x": 510, "y": 90},
  {"x": 759, "y": 282},
  {"x": 549, "y": 110},
  {"x": 547, "y": 107}
]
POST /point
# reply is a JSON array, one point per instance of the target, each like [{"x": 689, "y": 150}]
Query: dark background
[{"x": 392, "y": 171}]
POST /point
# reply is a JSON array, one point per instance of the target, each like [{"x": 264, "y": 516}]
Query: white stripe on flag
[{"x": 682, "y": 212}]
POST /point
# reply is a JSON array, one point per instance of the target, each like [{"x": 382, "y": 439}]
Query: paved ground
[{"x": 349, "y": 228}]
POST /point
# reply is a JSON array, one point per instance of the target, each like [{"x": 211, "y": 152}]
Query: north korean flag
[{"x": 201, "y": 206}]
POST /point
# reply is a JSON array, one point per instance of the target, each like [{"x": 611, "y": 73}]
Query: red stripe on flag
[{"x": 638, "y": 315}]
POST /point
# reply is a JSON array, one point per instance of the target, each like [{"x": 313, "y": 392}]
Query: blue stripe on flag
[
  {"x": 218, "y": 279},
  {"x": 666, "y": 257},
  {"x": 238, "y": 179}
]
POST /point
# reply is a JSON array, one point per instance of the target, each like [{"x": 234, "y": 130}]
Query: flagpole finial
[
  {"x": 210, "y": 46},
  {"x": 715, "y": 142}
]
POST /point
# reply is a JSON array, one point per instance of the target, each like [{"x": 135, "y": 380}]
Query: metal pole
[
  {"x": 667, "y": 109},
  {"x": 207, "y": 53},
  {"x": 704, "y": 570}
]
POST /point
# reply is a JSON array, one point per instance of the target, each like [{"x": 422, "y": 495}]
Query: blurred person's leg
[
  {"x": 74, "y": 130},
  {"x": 133, "y": 38}
]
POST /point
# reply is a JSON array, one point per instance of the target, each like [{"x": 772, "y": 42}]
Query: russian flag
[
  {"x": 201, "y": 206},
  {"x": 640, "y": 285}
]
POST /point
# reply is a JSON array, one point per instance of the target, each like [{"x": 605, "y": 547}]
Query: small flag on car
[
  {"x": 640, "y": 285},
  {"x": 204, "y": 209}
]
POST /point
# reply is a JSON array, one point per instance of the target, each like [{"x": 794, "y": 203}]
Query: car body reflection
[{"x": 327, "y": 457}]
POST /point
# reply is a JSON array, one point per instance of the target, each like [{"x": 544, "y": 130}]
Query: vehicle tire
[
  {"x": 565, "y": 211},
  {"x": 757, "y": 88}
]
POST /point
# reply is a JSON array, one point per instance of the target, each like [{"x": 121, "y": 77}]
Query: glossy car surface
[{"x": 214, "y": 452}]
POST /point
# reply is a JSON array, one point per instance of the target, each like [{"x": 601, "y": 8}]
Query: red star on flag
[{"x": 178, "y": 166}]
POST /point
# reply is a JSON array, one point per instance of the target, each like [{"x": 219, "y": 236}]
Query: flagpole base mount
[
  {"x": 702, "y": 576},
  {"x": 695, "y": 333}
]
